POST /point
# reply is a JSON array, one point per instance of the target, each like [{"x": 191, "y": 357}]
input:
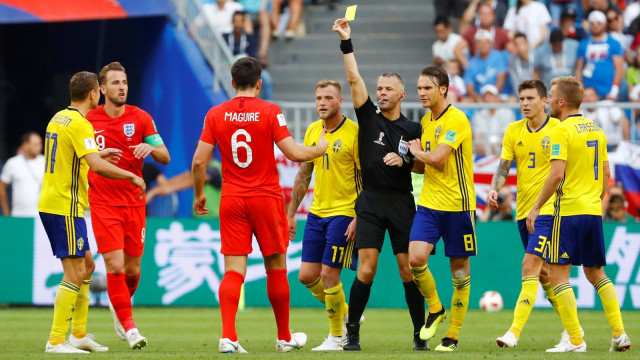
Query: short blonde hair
[
  {"x": 570, "y": 89},
  {"x": 327, "y": 82}
]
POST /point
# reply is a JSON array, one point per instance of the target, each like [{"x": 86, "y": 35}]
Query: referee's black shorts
[{"x": 379, "y": 211}]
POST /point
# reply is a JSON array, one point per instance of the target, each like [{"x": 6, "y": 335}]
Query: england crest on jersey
[{"x": 129, "y": 129}]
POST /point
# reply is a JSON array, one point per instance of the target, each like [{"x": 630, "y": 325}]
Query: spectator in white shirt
[
  {"x": 529, "y": 17},
  {"x": 219, "y": 15},
  {"x": 449, "y": 45},
  {"x": 609, "y": 118},
  {"x": 24, "y": 172},
  {"x": 489, "y": 124}
]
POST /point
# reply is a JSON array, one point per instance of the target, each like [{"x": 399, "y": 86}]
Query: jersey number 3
[{"x": 235, "y": 144}]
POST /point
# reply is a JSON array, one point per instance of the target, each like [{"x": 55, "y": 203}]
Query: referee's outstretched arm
[{"x": 358, "y": 89}]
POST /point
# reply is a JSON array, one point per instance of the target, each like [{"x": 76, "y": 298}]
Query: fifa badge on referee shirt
[
  {"x": 129, "y": 129},
  {"x": 403, "y": 149}
]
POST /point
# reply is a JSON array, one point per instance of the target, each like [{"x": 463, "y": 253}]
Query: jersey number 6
[{"x": 235, "y": 144}]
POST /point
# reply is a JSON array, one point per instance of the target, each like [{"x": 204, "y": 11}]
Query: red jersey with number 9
[
  {"x": 245, "y": 129},
  {"x": 129, "y": 129}
]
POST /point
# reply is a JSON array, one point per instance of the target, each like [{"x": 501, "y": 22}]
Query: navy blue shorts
[
  {"x": 325, "y": 241},
  {"x": 457, "y": 229},
  {"x": 577, "y": 240},
  {"x": 67, "y": 235},
  {"x": 538, "y": 242}
]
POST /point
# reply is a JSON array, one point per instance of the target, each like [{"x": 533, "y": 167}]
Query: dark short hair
[
  {"x": 534, "y": 84},
  {"x": 239, "y": 12},
  {"x": 519, "y": 34},
  {"x": 439, "y": 74},
  {"x": 246, "y": 72},
  {"x": 113, "y": 66},
  {"x": 26, "y": 137},
  {"x": 81, "y": 85},
  {"x": 442, "y": 20},
  {"x": 556, "y": 36}
]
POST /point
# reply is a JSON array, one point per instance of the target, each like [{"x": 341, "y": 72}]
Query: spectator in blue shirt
[
  {"x": 556, "y": 58},
  {"x": 600, "y": 62},
  {"x": 487, "y": 67}
]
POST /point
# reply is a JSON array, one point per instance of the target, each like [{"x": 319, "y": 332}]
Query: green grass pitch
[{"x": 193, "y": 333}]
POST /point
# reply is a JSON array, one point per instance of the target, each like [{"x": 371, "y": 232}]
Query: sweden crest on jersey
[
  {"x": 545, "y": 143},
  {"x": 438, "y": 130},
  {"x": 129, "y": 129},
  {"x": 336, "y": 146}
]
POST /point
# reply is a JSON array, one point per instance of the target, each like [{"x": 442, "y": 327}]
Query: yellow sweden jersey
[
  {"x": 448, "y": 187},
  {"x": 338, "y": 179},
  {"x": 69, "y": 137},
  {"x": 530, "y": 150},
  {"x": 583, "y": 145}
]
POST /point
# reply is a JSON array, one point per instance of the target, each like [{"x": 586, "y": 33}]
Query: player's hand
[
  {"x": 141, "y": 150},
  {"x": 351, "y": 230},
  {"x": 415, "y": 146},
  {"x": 292, "y": 227},
  {"x": 492, "y": 199},
  {"x": 531, "y": 220},
  {"x": 323, "y": 144},
  {"x": 138, "y": 182},
  {"x": 199, "y": 203},
  {"x": 111, "y": 155},
  {"x": 393, "y": 159},
  {"x": 341, "y": 26}
]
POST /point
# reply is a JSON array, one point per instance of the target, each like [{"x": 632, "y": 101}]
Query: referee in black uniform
[{"x": 386, "y": 201}]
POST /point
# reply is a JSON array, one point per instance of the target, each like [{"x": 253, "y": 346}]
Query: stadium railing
[
  {"x": 300, "y": 114},
  {"x": 211, "y": 43}
]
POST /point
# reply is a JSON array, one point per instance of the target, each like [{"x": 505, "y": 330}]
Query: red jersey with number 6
[
  {"x": 128, "y": 130},
  {"x": 245, "y": 129}
]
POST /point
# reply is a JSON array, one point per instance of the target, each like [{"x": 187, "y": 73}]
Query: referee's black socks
[
  {"x": 415, "y": 302},
  {"x": 358, "y": 299}
]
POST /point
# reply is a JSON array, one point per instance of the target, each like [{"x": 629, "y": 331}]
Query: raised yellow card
[{"x": 351, "y": 12}]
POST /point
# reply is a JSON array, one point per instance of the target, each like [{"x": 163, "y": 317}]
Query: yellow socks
[
  {"x": 335, "y": 303},
  {"x": 427, "y": 285},
  {"x": 317, "y": 289},
  {"x": 79, "y": 322},
  {"x": 63, "y": 308},
  {"x": 459, "y": 305},
  {"x": 548, "y": 290},
  {"x": 568, "y": 311},
  {"x": 525, "y": 302},
  {"x": 609, "y": 298}
]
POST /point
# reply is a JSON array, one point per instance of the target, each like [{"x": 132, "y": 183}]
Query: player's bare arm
[
  {"x": 201, "y": 158},
  {"x": 550, "y": 185},
  {"x": 299, "y": 153},
  {"x": 300, "y": 187},
  {"x": 4, "y": 202},
  {"x": 351, "y": 230},
  {"x": 359, "y": 93},
  {"x": 497, "y": 182},
  {"x": 159, "y": 153},
  {"x": 111, "y": 155},
  {"x": 108, "y": 170},
  {"x": 418, "y": 166},
  {"x": 434, "y": 158},
  {"x": 606, "y": 174}
]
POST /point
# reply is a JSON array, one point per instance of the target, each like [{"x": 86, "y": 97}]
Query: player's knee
[
  {"x": 366, "y": 275},
  {"x": 307, "y": 278},
  {"x": 89, "y": 267},
  {"x": 594, "y": 274},
  {"x": 330, "y": 276},
  {"x": 416, "y": 261}
]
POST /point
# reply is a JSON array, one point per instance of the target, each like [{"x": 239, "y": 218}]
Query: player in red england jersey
[
  {"x": 118, "y": 214},
  {"x": 245, "y": 129}
]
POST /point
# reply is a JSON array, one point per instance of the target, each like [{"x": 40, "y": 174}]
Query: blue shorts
[
  {"x": 457, "y": 229},
  {"x": 67, "y": 235},
  {"x": 577, "y": 240},
  {"x": 325, "y": 241},
  {"x": 538, "y": 242}
]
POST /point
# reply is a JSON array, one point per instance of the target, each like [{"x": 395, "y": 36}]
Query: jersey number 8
[{"x": 235, "y": 144}]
